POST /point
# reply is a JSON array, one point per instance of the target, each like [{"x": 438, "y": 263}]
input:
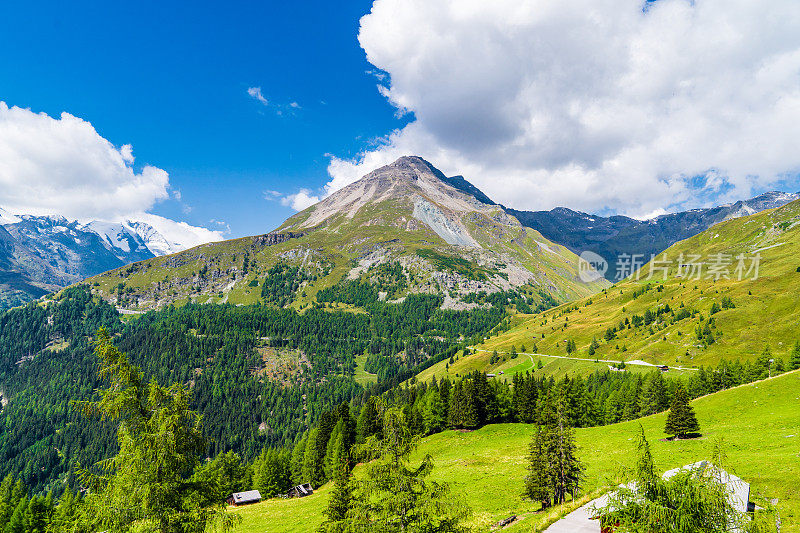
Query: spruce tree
[
  {"x": 455, "y": 412},
  {"x": 553, "y": 465},
  {"x": 298, "y": 456},
  {"x": 539, "y": 481},
  {"x": 313, "y": 467},
  {"x": 340, "y": 500},
  {"x": 654, "y": 399},
  {"x": 681, "y": 419},
  {"x": 369, "y": 420}
]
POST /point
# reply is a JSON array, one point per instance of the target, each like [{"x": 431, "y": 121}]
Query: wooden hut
[
  {"x": 299, "y": 491},
  {"x": 244, "y": 498}
]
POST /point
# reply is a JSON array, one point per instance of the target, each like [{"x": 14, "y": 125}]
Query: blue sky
[
  {"x": 171, "y": 79},
  {"x": 597, "y": 105}
]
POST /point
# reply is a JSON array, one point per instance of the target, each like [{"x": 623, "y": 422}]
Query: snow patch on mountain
[
  {"x": 7, "y": 218},
  {"x": 118, "y": 235}
]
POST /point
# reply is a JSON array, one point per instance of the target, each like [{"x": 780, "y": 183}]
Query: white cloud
[
  {"x": 255, "y": 92},
  {"x": 272, "y": 195},
  {"x": 591, "y": 103},
  {"x": 179, "y": 234},
  {"x": 63, "y": 166},
  {"x": 300, "y": 200}
]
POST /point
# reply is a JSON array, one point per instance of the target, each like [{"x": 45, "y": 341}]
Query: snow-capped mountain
[
  {"x": 40, "y": 254},
  {"x": 7, "y": 218}
]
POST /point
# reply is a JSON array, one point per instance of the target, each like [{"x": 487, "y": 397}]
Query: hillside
[
  {"x": 403, "y": 229},
  {"x": 613, "y": 236},
  {"x": 670, "y": 321},
  {"x": 758, "y": 423}
]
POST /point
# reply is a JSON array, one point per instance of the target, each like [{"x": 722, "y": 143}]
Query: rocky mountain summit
[{"x": 404, "y": 228}]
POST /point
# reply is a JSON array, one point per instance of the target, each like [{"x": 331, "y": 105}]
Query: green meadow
[{"x": 758, "y": 423}]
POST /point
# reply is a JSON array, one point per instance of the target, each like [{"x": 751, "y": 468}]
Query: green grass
[
  {"x": 361, "y": 376},
  {"x": 766, "y": 312},
  {"x": 556, "y": 367},
  {"x": 759, "y": 423}
]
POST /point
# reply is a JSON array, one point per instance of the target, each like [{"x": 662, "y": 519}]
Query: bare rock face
[{"x": 271, "y": 239}]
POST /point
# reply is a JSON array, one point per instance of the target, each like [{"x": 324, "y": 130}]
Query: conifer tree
[
  {"x": 538, "y": 482},
  {"x": 340, "y": 500},
  {"x": 553, "y": 465},
  {"x": 694, "y": 500},
  {"x": 681, "y": 419},
  {"x": 369, "y": 420},
  {"x": 794, "y": 360},
  {"x": 390, "y": 496},
  {"x": 298, "y": 456},
  {"x": 65, "y": 513},
  {"x": 16, "y": 523},
  {"x": 313, "y": 467},
  {"x": 654, "y": 399},
  {"x": 160, "y": 438},
  {"x": 271, "y": 473},
  {"x": 470, "y": 417}
]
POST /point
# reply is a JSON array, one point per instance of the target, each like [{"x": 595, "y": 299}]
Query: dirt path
[{"x": 635, "y": 362}]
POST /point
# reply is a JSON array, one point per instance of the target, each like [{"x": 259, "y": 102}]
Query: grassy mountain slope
[
  {"x": 406, "y": 214},
  {"x": 758, "y": 423},
  {"x": 766, "y": 312}
]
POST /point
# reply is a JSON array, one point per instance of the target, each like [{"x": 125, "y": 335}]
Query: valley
[{"x": 411, "y": 291}]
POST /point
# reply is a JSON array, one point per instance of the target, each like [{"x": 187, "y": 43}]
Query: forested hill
[{"x": 259, "y": 375}]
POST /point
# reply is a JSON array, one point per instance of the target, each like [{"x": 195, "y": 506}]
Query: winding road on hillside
[{"x": 633, "y": 362}]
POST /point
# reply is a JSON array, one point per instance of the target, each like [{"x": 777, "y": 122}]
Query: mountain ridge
[
  {"x": 406, "y": 215},
  {"x": 44, "y": 253}
]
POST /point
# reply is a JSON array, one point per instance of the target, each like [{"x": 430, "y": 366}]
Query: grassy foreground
[{"x": 759, "y": 422}]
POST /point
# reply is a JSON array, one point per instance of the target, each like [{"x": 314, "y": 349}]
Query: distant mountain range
[
  {"x": 614, "y": 236},
  {"x": 41, "y": 254},
  {"x": 449, "y": 236}
]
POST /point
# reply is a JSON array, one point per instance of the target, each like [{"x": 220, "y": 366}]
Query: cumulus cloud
[
  {"x": 590, "y": 104},
  {"x": 63, "y": 166},
  {"x": 300, "y": 200}
]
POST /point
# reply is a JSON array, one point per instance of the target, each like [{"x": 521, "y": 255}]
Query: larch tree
[{"x": 147, "y": 486}]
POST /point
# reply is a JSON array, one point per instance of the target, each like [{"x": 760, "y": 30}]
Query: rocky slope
[
  {"x": 405, "y": 228},
  {"x": 41, "y": 254}
]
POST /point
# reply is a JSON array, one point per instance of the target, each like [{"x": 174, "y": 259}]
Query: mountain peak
[{"x": 405, "y": 182}]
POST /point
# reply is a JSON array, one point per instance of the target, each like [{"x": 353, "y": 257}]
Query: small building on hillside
[
  {"x": 244, "y": 498},
  {"x": 299, "y": 491}
]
